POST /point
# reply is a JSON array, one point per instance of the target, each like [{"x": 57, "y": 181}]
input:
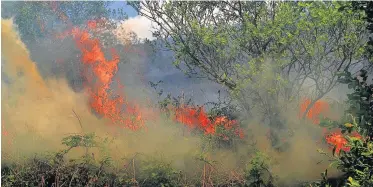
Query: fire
[
  {"x": 103, "y": 100},
  {"x": 196, "y": 118},
  {"x": 99, "y": 73},
  {"x": 319, "y": 108},
  {"x": 337, "y": 140},
  {"x": 92, "y": 24}
]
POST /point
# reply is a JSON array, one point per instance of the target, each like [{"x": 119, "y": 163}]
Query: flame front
[
  {"x": 319, "y": 108},
  {"x": 197, "y": 118}
]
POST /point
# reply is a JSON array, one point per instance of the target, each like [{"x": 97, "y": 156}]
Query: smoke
[
  {"x": 300, "y": 160},
  {"x": 38, "y": 111},
  {"x": 139, "y": 24}
]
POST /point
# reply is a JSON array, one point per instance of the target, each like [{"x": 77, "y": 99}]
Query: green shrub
[
  {"x": 357, "y": 162},
  {"x": 159, "y": 173},
  {"x": 258, "y": 173}
]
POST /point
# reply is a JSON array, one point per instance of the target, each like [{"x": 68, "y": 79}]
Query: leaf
[
  {"x": 224, "y": 76},
  {"x": 348, "y": 125},
  {"x": 352, "y": 182}
]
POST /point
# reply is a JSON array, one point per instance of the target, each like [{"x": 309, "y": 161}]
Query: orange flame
[
  {"x": 197, "y": 118},
  {"x": 337, "y": 140},
  {"x": 92, "y": 24},
  {"x": 99, "y": 73},
  {"x": 319, "y": 108},
  {"x": 108, "y": 104}
]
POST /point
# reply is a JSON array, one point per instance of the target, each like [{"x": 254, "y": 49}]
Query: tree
[
  {"x": 38, "y": 19},
  {"x": 367, "y": 7},
  {"x": 267, "y": 53}
]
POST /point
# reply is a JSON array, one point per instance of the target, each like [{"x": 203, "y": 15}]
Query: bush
[
  {"x": 257, "y": 173},
  {"x": 355, "y": 159}
]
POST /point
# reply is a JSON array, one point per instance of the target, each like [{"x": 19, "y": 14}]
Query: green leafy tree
[
  {"x": 367, "y": 7},
  {"x": 264, "y": 53},
  {"x": 37, "y": 19}
]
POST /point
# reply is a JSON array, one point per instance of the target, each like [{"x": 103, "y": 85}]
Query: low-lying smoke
[{"x": 37, "y": 112}]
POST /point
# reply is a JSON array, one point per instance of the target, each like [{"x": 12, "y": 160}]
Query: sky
[
  {"x": 138, "y": 24},
  {"x": 126, "y": 8}
]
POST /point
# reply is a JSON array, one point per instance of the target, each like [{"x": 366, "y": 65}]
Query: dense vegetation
[{"x": 263, "y": 57}]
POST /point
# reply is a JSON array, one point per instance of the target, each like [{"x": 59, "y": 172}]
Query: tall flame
[
  {"x": 99, "y": 73},
  {"x": 104, "y": 101}
]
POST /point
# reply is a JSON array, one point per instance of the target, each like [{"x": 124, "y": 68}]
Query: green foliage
[
  {"x": 258, "y": 173},
  {"x": 360, "y": 101},
  {"x": 325, "y": 181},
  {"x": 141, "y": 170},
  {"x": 54, "y": 169},
  {"x": 357, "y": 163},
  {"x": 291, "y": 33},
  {"x": 79, "y": 140},
  {"x": 158, "y": 173},
  {"x": 38, "y": 19},
  {"x": 367, "y": 7},
  {"x": 262, "y": 52}
]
